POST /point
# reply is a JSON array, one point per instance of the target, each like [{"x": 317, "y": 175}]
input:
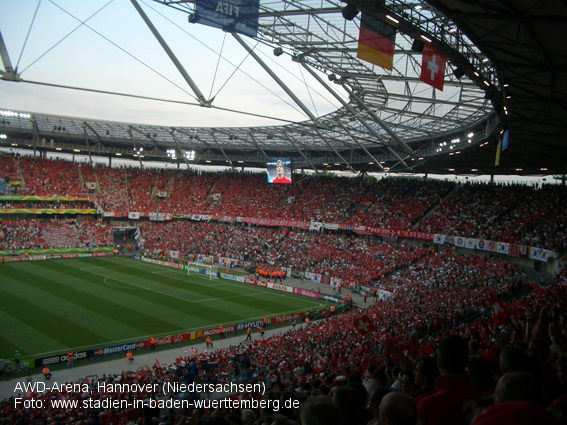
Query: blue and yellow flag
[{"x": 498, "y": 150}]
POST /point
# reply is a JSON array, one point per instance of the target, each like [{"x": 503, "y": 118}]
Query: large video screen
[{"x": 279, "y": 170}]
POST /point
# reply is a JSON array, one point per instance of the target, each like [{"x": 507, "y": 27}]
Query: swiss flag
[
  {"x": 318, "y": 363},
  {"x": 499, "y": 310},
  {"x": 541, "y": 291},
  {"x": 433, "y": 67},
  {"x": 364, "y": 325}
]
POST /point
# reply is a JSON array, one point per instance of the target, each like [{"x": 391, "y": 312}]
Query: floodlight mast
[{"x": 200, "y": 97}]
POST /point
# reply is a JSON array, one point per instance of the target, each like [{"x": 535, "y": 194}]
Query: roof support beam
[
  {"x": 378, "y": 120},
  {"x": 35, "y": 130},
  {"x": 257, "y": 144},
  {"x": 334, "y": 150},
  {"x": 172, "y": 132},
  {"x": 290, "y": 140},
  {"x": 9, "y": 73},
  {"x": 222, "y": 150},
  {"x": 278, "y": 14},
  {"x": 349, "y": 108},
  {"x": 361, "y": 146},
  {"x": 200, "y": 98},
  {"x": 87, "y": 142},
  {"x": 138, "y": 151},
  {"x": 276, "y": 78}
]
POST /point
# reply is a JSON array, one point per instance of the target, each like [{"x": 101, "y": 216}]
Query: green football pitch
[{"x": 56, "y": 305}]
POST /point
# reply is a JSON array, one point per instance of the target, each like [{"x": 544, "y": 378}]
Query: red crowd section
[
  {"x": 54, "y": 233},
  {"x": 514, "y": 213}
]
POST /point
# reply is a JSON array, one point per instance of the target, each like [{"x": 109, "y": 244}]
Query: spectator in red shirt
[{"x": 456, "y": 399}]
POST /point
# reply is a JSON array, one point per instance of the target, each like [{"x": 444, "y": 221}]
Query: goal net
[{"x": 203, "y": 270}]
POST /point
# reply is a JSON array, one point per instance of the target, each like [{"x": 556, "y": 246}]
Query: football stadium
[{"x": 283, "y": 212}]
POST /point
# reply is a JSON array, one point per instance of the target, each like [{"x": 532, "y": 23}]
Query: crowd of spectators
[
  {"x": 503, "y": 212},
  {"x": 351, "y": 258},
  {"x": 514, "y": 213},
  {"x": 163, "y": 185},
  {"x": 8, "y": 168},
  {"x": 113, "y": 195},
  {"x": 54, "y": 233},
  {"x": 47, "y": 177},
  {"x": 141, "y": 184}
]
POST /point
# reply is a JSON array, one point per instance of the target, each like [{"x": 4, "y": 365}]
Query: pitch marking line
[
  {"x": 239, "y": 285},
  {"x": 170, "y": 295}
]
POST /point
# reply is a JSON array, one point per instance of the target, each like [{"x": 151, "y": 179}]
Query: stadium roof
[{"x": 506, "y": 69}]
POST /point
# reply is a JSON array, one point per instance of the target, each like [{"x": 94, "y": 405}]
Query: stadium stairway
[
  {"x": 145, "y": 357},
  {"x": 20, "y": 172},
  {"x": 434, "y": 207}
]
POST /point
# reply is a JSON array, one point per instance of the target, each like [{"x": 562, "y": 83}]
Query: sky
[{"x": 105, "y": 45}]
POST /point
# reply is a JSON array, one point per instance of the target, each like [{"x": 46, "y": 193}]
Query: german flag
[{"x": 376, "y": 42}]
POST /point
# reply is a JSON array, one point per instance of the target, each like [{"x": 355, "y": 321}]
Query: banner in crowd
[
  {"x": 84, "y": 198},
  {"x": 303, "y": 225},
  {"x": 541, "y": 254},
  {"x": 504, "y": 248},
  {"x": 459, "y": 242},
  {"x": 336, "y": 281},
  {"x": 228, "y": 262},
  {"x": 123, "y": 224},
  {"x": 384, "y": 295},
  {"x": 157, "y": 216},
  {"x": 48, "y": 211},
  {"x": 410, "y": 234},
  {"x": 201, "y": 217},
  {"x": 491, "y": 246},
  {"x": 315, "y": 226},
  {"x": 227, "y": 219},
  {"x": 514, "y": 250}
]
